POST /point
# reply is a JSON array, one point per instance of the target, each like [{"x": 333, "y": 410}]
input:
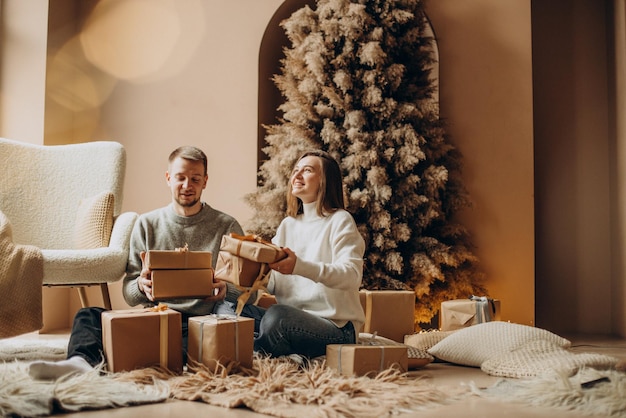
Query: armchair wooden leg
[
  {"x": 82, "y": 294},
  {"x": 106, "y": 298}
]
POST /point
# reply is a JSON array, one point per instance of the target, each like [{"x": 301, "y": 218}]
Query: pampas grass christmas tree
[{"x": 356, "y": 83}]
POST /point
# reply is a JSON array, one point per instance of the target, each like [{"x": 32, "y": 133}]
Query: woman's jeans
[
  {"x": 282, "y": 330},
  {"x": 86, "y": 337}
]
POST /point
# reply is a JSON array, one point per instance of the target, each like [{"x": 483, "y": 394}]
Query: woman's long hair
[{"x": 330, "y": 195}]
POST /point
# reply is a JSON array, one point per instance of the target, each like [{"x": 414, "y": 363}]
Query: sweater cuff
[{"x": 232, "y": 293}]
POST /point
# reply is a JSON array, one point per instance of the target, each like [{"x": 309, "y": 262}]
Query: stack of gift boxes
[
  {"x": 152, "y": 337},
  {"x": 389, "y": 314}
]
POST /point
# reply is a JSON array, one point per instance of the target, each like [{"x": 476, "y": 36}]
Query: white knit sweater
[{"x": 329, "y": 266}]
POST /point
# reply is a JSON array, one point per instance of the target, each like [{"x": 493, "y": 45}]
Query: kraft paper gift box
[
  {"x": 252, "y": 248},
  {"x": 178, "y": 259},
  {"x": 388, "y": 313},
  {"x": 189, "y": 283},
  {"x": 461, "y": 313},
  {"x": 139, "y": 338},
  {"x": 238, "y": 270},
  {"x": 360, "y": 360},
  {"x": 220, "y": 339}
]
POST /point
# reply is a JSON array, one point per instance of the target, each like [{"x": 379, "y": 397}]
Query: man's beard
[{"x": 187, "y": 203}]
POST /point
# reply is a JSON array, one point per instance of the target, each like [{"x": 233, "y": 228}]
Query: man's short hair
[{"x": 189, "y": 153}]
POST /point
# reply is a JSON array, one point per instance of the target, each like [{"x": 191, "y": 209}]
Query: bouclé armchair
[{"x": 67, "y": 200}]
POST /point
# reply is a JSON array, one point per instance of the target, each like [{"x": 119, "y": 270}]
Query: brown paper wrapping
[
  {"x": 388, "y": 313},
  {"x": 139, "y": 338},
  {"x": 216, "y": 338},
  {"x": 178, "y": 259},
  {"x": 238, "y": 270},
  {"x": 461, "y": 313},
  {"x": 189, "y": 283},
  {"x": 251, "y": 248},
  {"x": 360, "y": 360}
]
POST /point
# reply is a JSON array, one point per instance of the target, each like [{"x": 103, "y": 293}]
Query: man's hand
[
  {"x": 144, "y": 281},
  {"x": 219, "y": 291}
]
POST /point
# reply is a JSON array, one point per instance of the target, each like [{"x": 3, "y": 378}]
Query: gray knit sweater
[{"x": 164, "y": 229}]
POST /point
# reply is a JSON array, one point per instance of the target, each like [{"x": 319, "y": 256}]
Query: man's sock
[{"x": 52, "y": 370}]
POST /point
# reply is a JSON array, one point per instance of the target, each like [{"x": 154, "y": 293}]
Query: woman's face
[{"x": 306, "y": 178}]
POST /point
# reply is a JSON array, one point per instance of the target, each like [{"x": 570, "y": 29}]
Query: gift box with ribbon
[
  {"x": 138, "y": 338},
  {"x": 243, "y": 260},
  {"x": 388, "y": 313},
  {"x": 461, "y": 313},
  {"x": 222, "y": 339},
  {"x": 361, "y": 360},
  {"x": 180, "y": 273},
  {"x": 178, "y": 259}
]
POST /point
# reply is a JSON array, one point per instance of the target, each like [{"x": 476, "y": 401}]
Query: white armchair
[{"x": 66, "y": 200}]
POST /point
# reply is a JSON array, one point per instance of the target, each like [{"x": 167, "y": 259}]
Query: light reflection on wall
[
  {"x": 142, "y": 40},
  {"x": 73, "y": 82}
]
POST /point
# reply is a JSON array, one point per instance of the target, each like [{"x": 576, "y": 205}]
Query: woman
[{"x": 317, "y": 284}]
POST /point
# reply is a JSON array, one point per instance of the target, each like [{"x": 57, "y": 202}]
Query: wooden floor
[{"x": 439, "y": 374}]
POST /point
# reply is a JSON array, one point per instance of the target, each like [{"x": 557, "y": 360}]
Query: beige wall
[
  {"x": 197, "y": 84},
  {"x": 23, "y": 42},
  {"x": 486, "y": 98}
]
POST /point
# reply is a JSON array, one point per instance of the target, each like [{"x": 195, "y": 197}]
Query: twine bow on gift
[
  {"x": 258, "y": 285},
  {"x": 184, "y": 249}
]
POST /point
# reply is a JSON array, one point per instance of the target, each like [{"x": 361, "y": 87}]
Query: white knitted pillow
[
  {"x": 424, "y": 340},
  {"x": 94, "y": 221},
  {"x": 539, "y": 357},
  {"x": 474, "y": 345}
]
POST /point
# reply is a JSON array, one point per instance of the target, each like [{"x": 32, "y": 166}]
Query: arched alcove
[{"x": 270, "y": 55}]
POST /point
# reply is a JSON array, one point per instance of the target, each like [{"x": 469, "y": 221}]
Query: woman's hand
[{"x": 287, "y": 264}]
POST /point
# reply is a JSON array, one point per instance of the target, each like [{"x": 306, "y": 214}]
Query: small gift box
[
  {"x": 243, "y": 260},
  {"x": 361, "y": 360},
  {"x": 388, "y": 313},
  {"x": 252, "y": 248},
  {"x": 189, "y": 283},
  {"x": 178, "y": 259},
  {"x": 461, "y": 313},
  {"x": 222, "y": 339},
  {"x": 238, "y": 270},
  {"x": 138, "y": 338}
]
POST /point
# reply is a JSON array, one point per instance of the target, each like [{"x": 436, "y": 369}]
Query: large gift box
[
  {"x": 178, "y": 259},
  {"x": 243, "y": 260},
  {"x": 461, "y": 313},
  {"x": 183, "y": 283},
  {"x": 138, "y": 338},
  {"x": 360, "y": 360},
  {"x": 214, "y": 339},
  {"x": 388, "y": 313}
]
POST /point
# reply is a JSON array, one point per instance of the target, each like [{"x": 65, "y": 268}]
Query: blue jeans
[{"x": 282, "y": 330}]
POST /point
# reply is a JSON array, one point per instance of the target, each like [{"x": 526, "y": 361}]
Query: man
[{"x": 185, "y": 221}]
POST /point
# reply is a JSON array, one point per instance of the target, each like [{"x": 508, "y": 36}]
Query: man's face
[{"x": 186, "y": 179}]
